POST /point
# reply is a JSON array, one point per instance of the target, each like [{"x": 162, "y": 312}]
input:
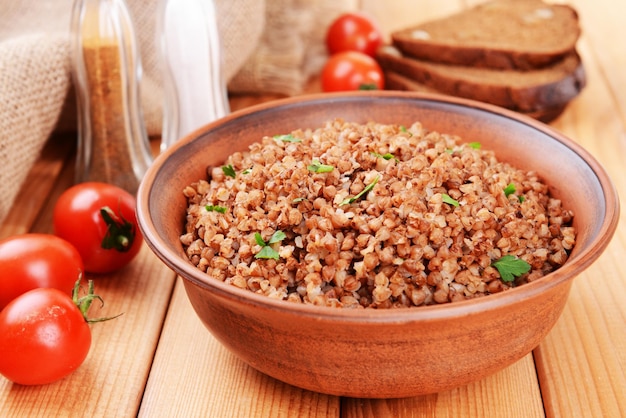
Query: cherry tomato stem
[{"x": 99, "y": 220}]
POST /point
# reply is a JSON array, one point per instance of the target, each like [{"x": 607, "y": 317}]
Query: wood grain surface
[{"x": 157, "y": 360}]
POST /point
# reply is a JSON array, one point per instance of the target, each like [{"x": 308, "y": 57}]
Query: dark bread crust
[
  {"x": 395, "y": 81},
  {"x": 526, "y": 91},
  {"x": 502, "y": 34}
]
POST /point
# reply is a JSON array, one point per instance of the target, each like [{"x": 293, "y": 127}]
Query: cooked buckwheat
[{"x": 374, "y": 216}]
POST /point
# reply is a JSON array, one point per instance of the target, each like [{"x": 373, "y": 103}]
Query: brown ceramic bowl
[{"x": 382, "y": 353}]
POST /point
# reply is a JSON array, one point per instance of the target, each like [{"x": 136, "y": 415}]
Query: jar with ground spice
[{"x": 113, "y": 144}]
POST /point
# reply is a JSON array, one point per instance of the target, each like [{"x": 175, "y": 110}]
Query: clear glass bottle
[
  {"x": 191, "y": 60},
  {"x": 113, "y": 144}
]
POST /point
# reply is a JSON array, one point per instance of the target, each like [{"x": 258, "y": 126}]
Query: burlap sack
[
  {"x": 34, "y": 79},
  {"x": 292, "y": 47},
  {"x": 35, "y": 76},
  {"x": 269, "y": 46}
]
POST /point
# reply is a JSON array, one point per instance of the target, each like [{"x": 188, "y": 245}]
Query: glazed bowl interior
[{"x": 571, "y": 173}]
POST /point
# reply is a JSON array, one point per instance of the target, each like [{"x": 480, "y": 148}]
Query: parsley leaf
[
  {"x": 267, "y": 251},
  {"x": 318, "y": 167},
  {"x": 277, "y": 236},
  {"x": 259, "y": 239},
  {"x": 511, "y": 267},
  {"x": 386, "y": 156},
  {"x": 287, "y": 138},
  {"x": 473, "y": 145},
  {"x": 363, "y": 192},
  {"x": 229, "y": 170},
  {"x": 510, "y": 189},
  {"x": 447, "y": 199},
  {"x": 216, "y": 208}
]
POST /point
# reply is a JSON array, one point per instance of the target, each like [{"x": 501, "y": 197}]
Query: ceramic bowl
[{"x": 381, "y": 353}]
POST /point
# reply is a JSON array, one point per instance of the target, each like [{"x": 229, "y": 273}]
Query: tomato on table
[
  {"x": 352, "y": 70},
  {"x": 45, "y": 334},
  {"x": 29, "y": 261},
  {"x": 99, "y": 220},
  {"x": 43, "y": 337},
  {"x": 353, "y": 32}
]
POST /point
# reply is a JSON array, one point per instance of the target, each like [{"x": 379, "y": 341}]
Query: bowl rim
[{"x": 576, "y": 264}]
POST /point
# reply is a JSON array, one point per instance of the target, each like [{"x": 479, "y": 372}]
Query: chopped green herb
[
  {"x": 318, "y": 167},
  {"x": 447, "y": 199},
  {"x": 267, "y": 251},
  {"x": 247, "y": 171},
  {"x": 277, "y": 236},
  {"x": 259, "y": 239},
  {"x": 521, "y": 199},
  {"x": 215, "y": 208},
  {"x": 229, "y": 171},
  {"x": 474, "y": 145},
  {"x": 363, "y": 192},
  {"x": 287, "y": 138},
  {"x": 386, "y": 156},
  {"x": 509, "y": 190},
  {"x": 403, "y": 129},
  {"x": 511, "y": 267}
]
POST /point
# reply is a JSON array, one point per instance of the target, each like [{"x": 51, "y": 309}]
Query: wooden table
[{"x": 157, "y": 360}]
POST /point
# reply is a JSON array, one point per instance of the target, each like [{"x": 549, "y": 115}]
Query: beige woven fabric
[
  {"x": 35, "y": 74},
  {"x": 28, "y": 111},
  {"x": 292, "y": 47},
  {"x": 269, "y": 46}
]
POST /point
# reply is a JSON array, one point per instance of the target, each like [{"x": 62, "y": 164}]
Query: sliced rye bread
[
  {"x": 526, "y": 91},
  {"x": 395, "y": 81},
  {"x": 501, "y": 34}
]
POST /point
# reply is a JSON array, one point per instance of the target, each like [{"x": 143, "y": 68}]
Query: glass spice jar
[
  {"x": 113, "y": 145},
  {"x": 191, "y": 60}
]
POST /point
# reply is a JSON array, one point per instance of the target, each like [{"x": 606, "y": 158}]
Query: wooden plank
[
  {"x": 512, "y": 392},
  {"x": 111, "y": 380},
  {"x": 399, "y": 14},
  {"x": 193, "y": 375},
  {"x": 582, "y": 362},
  {"x": 38, "y": 185},
  {"x": 602, "y": 22}
]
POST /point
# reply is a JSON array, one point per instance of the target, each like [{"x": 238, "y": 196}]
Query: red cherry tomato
[
  {"x": 43, "y": 337},
  {"x": 352, "y": 71},
  {"x": 30, "y": 261},
  {"x": 99, "y": 220},
  {"x": 353, "y": 32}
]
